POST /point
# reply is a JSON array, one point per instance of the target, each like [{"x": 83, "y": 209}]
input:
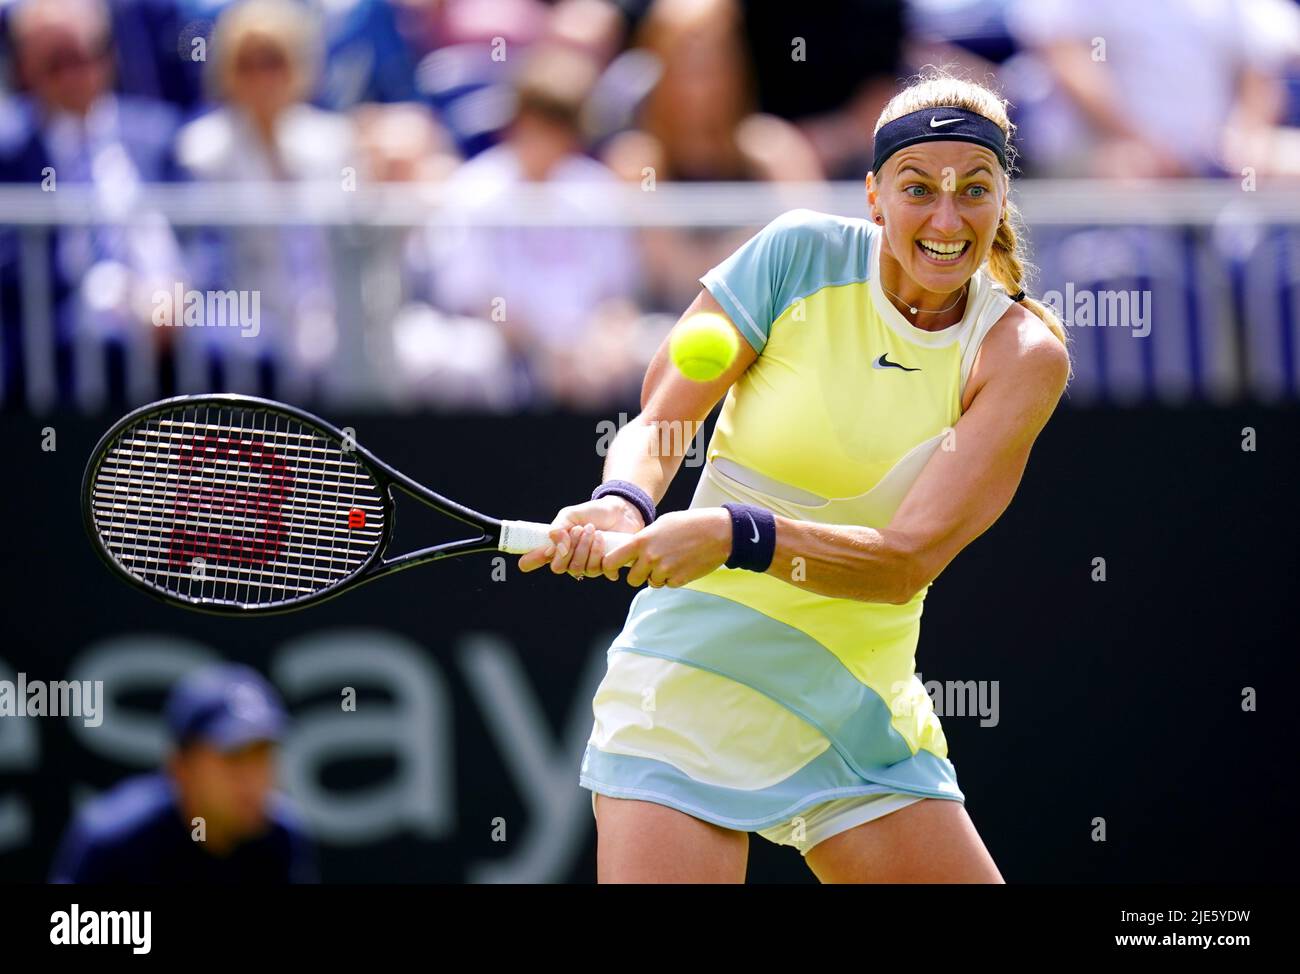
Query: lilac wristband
[
  {"x": 631, "y": 493},
  {"x": 753, "y": 537}
]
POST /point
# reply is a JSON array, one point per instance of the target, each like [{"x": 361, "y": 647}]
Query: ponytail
[{"x": 1006, "y": 266}]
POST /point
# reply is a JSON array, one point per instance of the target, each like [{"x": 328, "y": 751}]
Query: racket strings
[{"x": 235, "y": 506}]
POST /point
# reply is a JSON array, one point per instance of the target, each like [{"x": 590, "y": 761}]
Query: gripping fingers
[
  {"x": 535, "y": 559},
  {"x": 597, "y": 554},
  {"x": 583, "y": 540},
  {"x": 563, "y": 551},
  {"x": 625, "y": 554},
  {"x": 639, "y": 572}
]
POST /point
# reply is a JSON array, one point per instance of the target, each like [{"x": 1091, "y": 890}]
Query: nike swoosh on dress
[{"x": 884, "y": 363}]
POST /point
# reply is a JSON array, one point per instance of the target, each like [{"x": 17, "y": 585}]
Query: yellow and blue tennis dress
[{"x": 747, "y": 700}]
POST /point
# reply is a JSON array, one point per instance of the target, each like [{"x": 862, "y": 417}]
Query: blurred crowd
[{"x": 483, "y": 95}]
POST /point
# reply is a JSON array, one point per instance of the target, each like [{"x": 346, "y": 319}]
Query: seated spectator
[
  {"x": 69, "y": 130},
  {"x": 403, "y": 143},
  {"x": 211, "y": 815},
  {"x": 551, "y": 291},
  {"x": 700, "y": 123},
  {"x": 162, "y": 46},
  {"x": 265, "y": 54},
  {"x": 1156, "y": 89}
]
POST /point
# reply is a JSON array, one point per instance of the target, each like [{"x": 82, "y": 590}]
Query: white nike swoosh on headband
[{"x": 935, "y": 123}]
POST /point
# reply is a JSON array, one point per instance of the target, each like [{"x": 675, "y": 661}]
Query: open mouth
[{"x": 943, "y": 252}]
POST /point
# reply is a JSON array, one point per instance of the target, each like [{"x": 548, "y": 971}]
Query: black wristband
[
  {"x": 631, "y": 493},
  {"x": 753, "y": 536}
]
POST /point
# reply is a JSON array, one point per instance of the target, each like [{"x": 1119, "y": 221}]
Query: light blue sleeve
[{"x": 784, "y": 261}]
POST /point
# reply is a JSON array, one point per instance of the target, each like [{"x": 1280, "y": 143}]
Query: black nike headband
[{"x": 938, "y": 124}]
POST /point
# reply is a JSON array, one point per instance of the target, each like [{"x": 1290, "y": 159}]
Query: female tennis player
[{"x": 892, "y": 381}]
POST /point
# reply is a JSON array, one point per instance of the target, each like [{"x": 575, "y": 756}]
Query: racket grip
[{"x": 518, "y": 537}]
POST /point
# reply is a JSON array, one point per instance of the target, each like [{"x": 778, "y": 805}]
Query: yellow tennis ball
[{"x": 703, "y": 346}]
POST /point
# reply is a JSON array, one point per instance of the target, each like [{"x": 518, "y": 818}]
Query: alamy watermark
[
  {"x": 77, "y": 927},
  {"x": 179, "y": 308},
  {"x": 673, "y": 438},
  {"x": 953, "y": 698},
  {"x": 62, "y": 698},
  {"x": 1085, "y": 308}
]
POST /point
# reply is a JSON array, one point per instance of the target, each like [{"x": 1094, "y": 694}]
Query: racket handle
[{"x": 518, "y": 537}]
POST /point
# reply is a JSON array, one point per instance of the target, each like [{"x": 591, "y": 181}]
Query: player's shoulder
[
  {"x": 1021, "y": 344},
  {"x": 824, "y": 248},
  {"x": 134, "y": 806}
]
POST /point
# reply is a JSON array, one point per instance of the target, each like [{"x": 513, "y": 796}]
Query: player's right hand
[{"x": 576, "y": 548}]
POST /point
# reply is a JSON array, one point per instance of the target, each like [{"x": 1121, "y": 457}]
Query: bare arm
[
  {"x": 1249, "y": 131},
  {"x": 648, "y": 451},
  {"x": 1090, "y": 85},
  {"x": 958, "y": 495},
  {"x": 1123, "y": 150}
]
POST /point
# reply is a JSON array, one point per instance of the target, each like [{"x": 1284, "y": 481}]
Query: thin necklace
[{"x": 939, "y": 312}]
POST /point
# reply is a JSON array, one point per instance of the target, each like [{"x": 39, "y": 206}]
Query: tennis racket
[{"x": 237, "y": 505}]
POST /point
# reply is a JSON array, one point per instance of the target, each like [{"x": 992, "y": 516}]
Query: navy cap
[{"x": 227, "y": 706}]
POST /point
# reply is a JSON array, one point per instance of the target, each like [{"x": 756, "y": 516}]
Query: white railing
[
  {"x": 1191, "y": 202},
  {"x": 1218, "y": 264}
]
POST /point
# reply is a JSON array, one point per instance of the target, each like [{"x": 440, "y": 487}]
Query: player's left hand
[{"x": 673, "y": 550}]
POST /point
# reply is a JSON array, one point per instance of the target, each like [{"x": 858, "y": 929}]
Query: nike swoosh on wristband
[
  {"x": 755, "y": 526},
  {"x": 884, "y": 363},
  {"x": 935, "y": 123}
]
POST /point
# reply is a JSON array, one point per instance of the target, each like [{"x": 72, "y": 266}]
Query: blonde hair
[
  {"x": 1006, "y": 262},
  {"x": 286, "y": 25}
]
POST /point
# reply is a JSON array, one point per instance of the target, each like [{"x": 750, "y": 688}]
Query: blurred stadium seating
[
  {"x": 419, "y": 199},
  {"x": 1211, "y": 275}
]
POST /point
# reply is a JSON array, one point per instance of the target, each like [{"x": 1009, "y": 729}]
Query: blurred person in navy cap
[{"x": 211, "y": 815}]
